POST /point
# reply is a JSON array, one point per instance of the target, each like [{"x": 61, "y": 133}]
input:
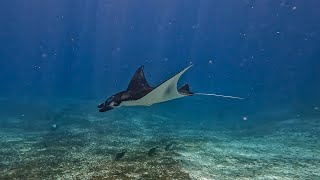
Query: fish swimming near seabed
[
  {"x": 152, "y": 151},
  {"x": 120, "y": 155}
]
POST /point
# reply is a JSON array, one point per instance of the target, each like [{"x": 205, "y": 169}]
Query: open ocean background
[{"x": 59, "y": 59}]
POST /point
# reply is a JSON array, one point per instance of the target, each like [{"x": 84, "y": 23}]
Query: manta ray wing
[{"x": 164, "y": 92}]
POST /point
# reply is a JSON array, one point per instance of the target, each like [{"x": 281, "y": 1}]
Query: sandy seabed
[{"x": 85, "y": 143}]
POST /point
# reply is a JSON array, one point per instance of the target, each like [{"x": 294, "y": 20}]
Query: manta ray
[{"x": 140, "y": 93}]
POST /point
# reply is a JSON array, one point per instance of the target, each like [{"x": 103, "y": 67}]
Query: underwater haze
[{"x": 60, "y": 59}]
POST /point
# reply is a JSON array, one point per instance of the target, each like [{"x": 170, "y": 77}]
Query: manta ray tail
[
  {"x": 218, "y": 95},
  {"x": 185, "y": 90}
]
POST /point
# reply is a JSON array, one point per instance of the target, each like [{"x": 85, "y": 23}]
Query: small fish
[
  {"x": 168, "y": 147},
  {"x": 45, "y": 144},
  {"x": 119, "y": 155},
  {"x": 152, "y": 151},
  {"x": 54, "y": 127}
]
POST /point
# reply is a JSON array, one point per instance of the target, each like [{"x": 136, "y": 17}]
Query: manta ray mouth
[{"x": 105, "y": 108}]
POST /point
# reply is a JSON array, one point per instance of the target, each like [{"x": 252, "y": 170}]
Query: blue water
[{"x": 86, "y": 50}]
